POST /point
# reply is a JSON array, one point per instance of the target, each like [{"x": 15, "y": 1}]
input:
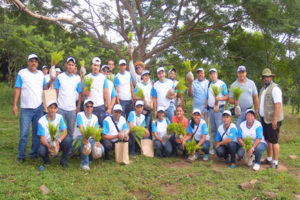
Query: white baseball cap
[
  {"x": 122, "y": 62},
  {"x": 104, "y": 66},
  {"x": 173, "y": 69},
  {"x": 251, "y": 111},
  {"x": 241, "y": 68},
  {"x": 58, "y": 69},
  {"x": 200, "y": 69},
  {"x": 226, "y": 112},
  {"x": 71, "y": 59},
  {"x": 160, "y": 69},
  {"x": 96, "y": 61},
  {"x": 196, "y": 110},
  {"x": 117, "y": 107},
  {"x": 88, "y": 101},
  {"x": 160, "y": 108},
  {"x": 31, "y": 56},
  {"x": 51, "y": 102},
  {"x": 213, "y": 70},
  {"x": 145, "y": 72},
  {"x": 45, "y": 66},
  {"x": 139, "y": 103}
]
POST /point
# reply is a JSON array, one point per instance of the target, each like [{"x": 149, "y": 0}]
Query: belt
[{"x": 221, "y": 106}]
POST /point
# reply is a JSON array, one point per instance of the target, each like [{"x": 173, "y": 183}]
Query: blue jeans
[
  {"x": 69, "y": 116},
  {"x": 170, "y": 112},
  {"x": 65, "y": 146},
  {"x": 148, "y": 121},
  {"x": 205, "y": 145},
  {"x": 99, "y": 111},
  {"x": 240, "y": 119},
  {"x": 27, "y": 117},
  {"x": 162, "y": 150},
  {"x": 127, "y": 107},
  {"x": 215, "y": 122},
  {"x": 85, "y": 160},
  {"x": 224, "y": 150},
  {"x": 258, "y": 152}
]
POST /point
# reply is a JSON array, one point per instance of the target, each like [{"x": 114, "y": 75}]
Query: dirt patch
[
  {"x": 170, "y": 189},
  {"x": 178, "y": 164},
  {"x": 140, "y": 194}
]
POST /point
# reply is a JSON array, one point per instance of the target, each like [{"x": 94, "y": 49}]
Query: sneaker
[
  {"x": 20, "y": 160},
  {"x": 85, "y": 167},
  {"x": 232, "y": 166},
  {"x": 274, "y": 166},
  {"x": 256, "y": 167},
  {"x": 205, "y": 157},
  {"x": 212, "y": 152},
  {"x": 192, "y": 158},
  {"x": 251, "y": 160},
  {"x": 266, "y": 162}
]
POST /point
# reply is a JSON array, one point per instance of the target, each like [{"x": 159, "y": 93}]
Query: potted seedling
[
  {"x": 130, "y": 45},
  {"x": 89, "y": 131},
  {"x": 138, "y": 133},
  {"x": 96, "y": 151},
  {"x": 216, "y": 92},
  {"x": 237, "y": 92},
  {"x": 191, "y": 147},
  {"x": 53, "y": 131},
  {"x": 181, "y": 88},
  {"x": 82, "y": 69},
  {"x": 187, "y": 64},
  {"x": 247, "y": 147},
  {"x": 56, "y": 57}
]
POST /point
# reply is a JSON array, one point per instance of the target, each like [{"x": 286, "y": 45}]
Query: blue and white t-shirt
[
  {"x": 111, "y": 89},
  {"x": 160, "y": 127},
  {"x": 147, "y": 89},
  {"x": 160, "y": 92},
  {"x": 198, "y": 130},
  {"x": 109, "y": 127},
  {"x": 32, "y": 85},
  {"x": 223, "y": 134},
  {"x": 137, "y": 120},
  {"x": 67, "y": 87},
  {"x": 199, "y": 89},
  {"x": 82, "y": 119},
  {"x": 123, "y": 82},
  {"x": 255, "y": 131},
  {"x": 43, "y": 125},
  {"x": 223, "y": 91},
  {"x": 97, "y": 88}
]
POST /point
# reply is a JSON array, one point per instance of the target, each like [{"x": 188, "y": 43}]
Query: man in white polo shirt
[
  {"x": 160, "y": 91},
  {"x": 124, "y": 87},
  {"x": 99, "y": 90},
  {"x": 111, "y": 89},
  {"x": 67, "y": 85},
  {"x": 29, "y": 85}
]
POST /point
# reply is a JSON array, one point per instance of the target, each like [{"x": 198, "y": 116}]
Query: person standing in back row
[{"x": 271, "y": 113}]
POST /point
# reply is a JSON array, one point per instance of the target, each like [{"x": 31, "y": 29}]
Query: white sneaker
[
  {"x": 85, "y": 167},
  {"x": 212, "y": 152},
  {"x": 192, "y": 158},
  {"x": 251, "y": 160},
  {"x": 256, "y": 167}
]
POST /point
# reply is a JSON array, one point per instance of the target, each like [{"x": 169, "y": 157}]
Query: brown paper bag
[
  {"x": 121, "y": 153},
  {"x": 48, "y": 95},
  {"x": 147, "y": 147}
]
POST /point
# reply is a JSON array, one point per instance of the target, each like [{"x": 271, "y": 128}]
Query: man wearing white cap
[
  {"x": 29, "y": 87},
  {"x": 62, "y": 139},
  {"x": 215, "y": 116},
  {"x": 45, "y": 72},
  {"x": 114, "y": 129},
  {"x": 124, "y": 87},
  {"x": 160, "y": 93},
  {"x": 198, "y": 90},
  {"x": 111, "y": 89},
  {"x": 178, "y": 100},
  {"x": 67, "y": 85},
  {"x": 99, "y": 90},
  {"x": 247, "y": 98}
]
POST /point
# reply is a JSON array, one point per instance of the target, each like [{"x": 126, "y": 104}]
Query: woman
[
  {"x": 226, "y": 141},
  {"x": 253, "y": 129},
  {"x": 162, "y": 142},
  {"x": 197, "y": 129},
  {"x": 179, "y": 118}
]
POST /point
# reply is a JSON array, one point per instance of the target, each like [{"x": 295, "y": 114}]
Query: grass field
[{"x": 143, "y": 178}]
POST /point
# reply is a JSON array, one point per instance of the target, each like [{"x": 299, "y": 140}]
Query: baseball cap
[
  {"x": 117, "y": 107},
  {"x": 160, "y": 108},
  {"x": 51, "y": 102},
  {"x": 241, "y": 68},
  {"x": 31, "y": 56},
  {"x": 122, "y": 62},
  {"x": 58, "y": 69},
  {"x": 200, "y": 69},
  {"x": 160, "y": 69},
  {"x": 250, "y": 111},
  {"x": 139, "y": 103},
  {"x": 96, "y": 61},
  {"x": 145, "y": 72},
  {"x": 196, "y": 110},
  {"x": 71, "y": 59},
  {"x": 104, "y": 66},
  {"x": 45, "y": 66},
  {"x": 87, "y": 101},
  {"x": 173, "y": 69},
  {"x": 226, "y": 112},
  {"x": 213, "y": 70}
]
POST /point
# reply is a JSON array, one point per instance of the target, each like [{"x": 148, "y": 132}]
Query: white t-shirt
[
  {"x": 161, "y": 127},
  {"x": 160, "y": 92},
  {"x": 109, "y": 127},
  {"x": 223, "y": 91},
  {"x": 47, "y": 77},
  {"x": 67, "y": 87},
  {"x": 43, "y": 125},
  {"x": 84, "y": 121},
  {"x": 147, "y": 89},
  {"x": 123, "y": 81},
  {"x": 254, "y": 132},
  {"x": 135, "y": 119},
  {"x": 111, "y": 89},
  {"x": 198, "y": 130},
  {"x": 276, "y": 95},
  {"x": 32, "y": 85},
  {"x": 97, "y": 89},
  {"x": 136, "y": 78},
  {"x": 223, "y": 134}
]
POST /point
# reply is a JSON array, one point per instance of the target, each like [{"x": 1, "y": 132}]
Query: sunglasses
[
  {"x": 106, "y": 70},
  {"x": 118, "y": 111},
  {"x": 88, "y": 106}
]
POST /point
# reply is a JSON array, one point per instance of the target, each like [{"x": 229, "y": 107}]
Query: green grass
[{"x": 143, "y": 178}]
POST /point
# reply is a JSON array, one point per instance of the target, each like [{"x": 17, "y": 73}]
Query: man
[
  {"x": 271, "y": 113},
  {"x": 248, "y": 97},
  {"x": 111, "y": 66},
  {"x": 113, "y": 128},
  {"x": 62, "y": 139},
  {"x": 67, "y": 85},
  {"x": 29, "y": 85},
  {"x": 215, "y": 116},
  {"x": 179, "y": 99},
  {"x": 160, "y": 91},
  {"x": 124, "y": 87},
  {"x": 58, "y": 71},
  {"x": 45, "y": 72},
  {"x": 198, "y": 90},
  {"x": 111, "y": 89},
  {"x": 99, "y": 90}
]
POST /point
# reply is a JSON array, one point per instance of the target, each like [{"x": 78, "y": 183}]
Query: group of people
[{"x": 114, "y": 103}]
